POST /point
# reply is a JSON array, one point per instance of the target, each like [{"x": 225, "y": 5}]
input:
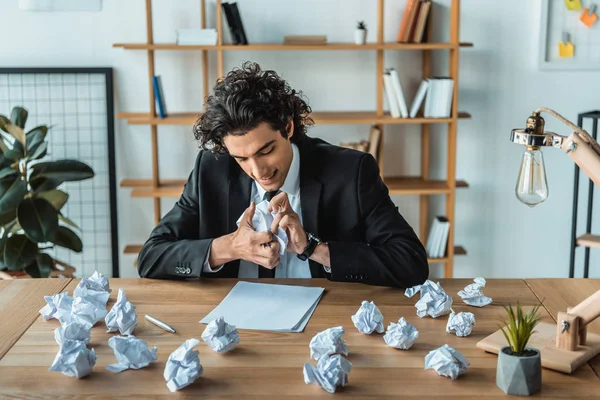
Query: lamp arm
[{"x": 580, "y": 131}]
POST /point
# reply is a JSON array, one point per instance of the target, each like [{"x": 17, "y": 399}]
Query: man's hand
[
  {"x": 289, "y": 221},
  {"x": 252, "y": 246}
]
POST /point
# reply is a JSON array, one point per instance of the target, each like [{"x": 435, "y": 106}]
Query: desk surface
[{"x": 269, "y": 364}]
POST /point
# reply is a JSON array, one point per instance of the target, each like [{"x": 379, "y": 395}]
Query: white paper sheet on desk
[{"x": 263, "y": 306}]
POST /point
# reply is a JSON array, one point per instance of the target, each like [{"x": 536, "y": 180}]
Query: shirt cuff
[
  {"x": 207, "y": 267},
  {"x": 327, "y": 269}
]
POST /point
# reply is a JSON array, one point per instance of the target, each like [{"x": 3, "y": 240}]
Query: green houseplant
[
  {"x": 31, "y": 221},
  {"x": 360, "y": 34},
  {"x": 519, "y": 370}
]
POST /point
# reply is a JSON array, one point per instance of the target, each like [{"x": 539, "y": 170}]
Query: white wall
[{"x": 499, "y": 85}]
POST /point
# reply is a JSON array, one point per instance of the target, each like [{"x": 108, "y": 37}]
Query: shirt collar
[{"x": 291, "y": 185}]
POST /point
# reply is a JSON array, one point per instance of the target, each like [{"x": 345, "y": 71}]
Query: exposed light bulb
[{"x": 532, "y": 187}]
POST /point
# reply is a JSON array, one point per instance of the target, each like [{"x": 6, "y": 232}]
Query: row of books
[
  {"x": 437, "y": 241},
  {"x": 435, "y": 92},
  {"x": 234, "y": 21},
  {"x": 414, "y": 21}
]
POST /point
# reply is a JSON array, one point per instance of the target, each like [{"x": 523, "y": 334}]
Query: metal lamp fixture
[{"x": 532, "y": 186}]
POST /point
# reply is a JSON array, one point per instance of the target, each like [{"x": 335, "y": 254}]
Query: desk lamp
[{"x": 532, "y": 187}]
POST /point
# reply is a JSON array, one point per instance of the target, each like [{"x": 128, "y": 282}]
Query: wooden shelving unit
[{"x": 421, "y": 186}]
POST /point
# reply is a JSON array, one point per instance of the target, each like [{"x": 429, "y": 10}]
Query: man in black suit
[{"x": 330, "y": 202}]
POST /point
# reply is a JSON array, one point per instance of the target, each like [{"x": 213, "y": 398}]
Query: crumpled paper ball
[
  {"x": 461, "y": 323},
  {"x": 95, "y": 289},
  {"x": 86, "y": 311},
  {"x": 220, "y": 336},
  {"x": 74, "y": 359},
  {"x": 58, "y": 306},
  {"x": 368, "y": 318},
  {"x": 183, "y": 366},
  {"x": 72, "y": 331},
  {"x": 331, "y": 372},
  {"x": 401, "y": 335},
  {"x": 446, "y": 362},
  {"x": 434, "y": 300},
  {"x": 473, "y": 295},
  {"x": 328, "y": 342},
  {"x": 122, "y": 316},
  {"x": 131, "y": 353},
  {"x": 262, "y": 220}
]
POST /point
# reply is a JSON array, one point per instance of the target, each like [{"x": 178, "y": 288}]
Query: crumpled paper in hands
[
  {"x": 446, "y": 362},
  {"x": 331, "y": 372},
  {"x": 434, "y": 300},
  {"x": 401, "y": 335},
  {"x": 262, "y": 220},
  {"x": 461, "y": 323},
  {"x": 130, "y": 352},
  {"x": 122, "y": 316},
  {"x": 183, "y": 366},
  {"x": 58, "y": 306},
  {"x": 220, "y": 336},
  {"x": 72, "y": 331},
  {"x": 368, "y": 318},
  {"x": 74, "y": 359},
  {"x": 473, "y": 295},
  {"x": 328, "y": 342},
  {"x": 95, "y": 289}
]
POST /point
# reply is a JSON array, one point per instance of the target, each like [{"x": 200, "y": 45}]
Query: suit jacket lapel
[
  {"x": 238, "y": 199},
  {"x": 310, "y": 197}
]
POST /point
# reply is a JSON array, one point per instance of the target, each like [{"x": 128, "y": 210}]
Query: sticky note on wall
[
  {"x": 589, "y": 17},
  {"x": 573, "y": 4},
  {"x": 566, "y": 49}
]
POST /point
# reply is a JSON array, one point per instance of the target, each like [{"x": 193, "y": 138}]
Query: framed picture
[{"x": 558, "y": 24}]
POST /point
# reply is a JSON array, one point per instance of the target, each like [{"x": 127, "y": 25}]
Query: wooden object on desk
[
  {"x": 565, "y": 345},
  {"x": 305, "y": 39},
  {"x": 269, "y": 364}
]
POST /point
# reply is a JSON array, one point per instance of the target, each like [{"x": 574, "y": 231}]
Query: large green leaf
[
  {"x": 67, "y": 221},
  {"x": 35, "y": 136},
  {"x": 44, "y": 264},
  {"x": 16, "y": 152},
  {"x": 8, "y": 216},
  {"x": 68, "y": 239},
  {"x": 38, "y": 218},
  {"x": 18, "y": 116},
  {"x": 19, "y": 252},
  {"x": 33, "y": 270},
  {"x": 48, "y": 175},
  {"x": 17, "y": 132},
  {"x": 8, "y": 172},
  {"x": 5, "y": 184},
  {"x": 56, "y": 197},
  {"x": 13, "y": 196},
  {"x": 4, "y": 122},
  {"x": 38, "y": 151}
]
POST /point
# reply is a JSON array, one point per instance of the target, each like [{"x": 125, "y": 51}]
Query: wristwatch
[{"x": 313, "y": 242}]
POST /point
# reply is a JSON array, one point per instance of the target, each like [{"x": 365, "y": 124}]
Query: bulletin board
[
  {"x": 556, "y": 20},
  {"x": 77, "y": 105}
]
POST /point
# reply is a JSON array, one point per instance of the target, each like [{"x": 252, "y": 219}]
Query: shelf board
[
  {"x": 396, "y": 185},
  {"x": 299, "y": 47},
  {"x": 418, "y": 186},
  {"x": 589, "y": 240},
  {"x": 320, "y": 117},
  {"x": 132, "y": 249},
  {"x": 458, "y": 251}
]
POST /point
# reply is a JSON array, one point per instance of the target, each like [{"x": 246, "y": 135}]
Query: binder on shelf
[{"x": 159, "y": 96}]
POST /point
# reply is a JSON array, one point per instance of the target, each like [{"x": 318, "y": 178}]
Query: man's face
[{"x": 263, "y": 154}]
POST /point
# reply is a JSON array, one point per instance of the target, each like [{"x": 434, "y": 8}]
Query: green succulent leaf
[
  {"x": 520, "y": 325},
  {"x": 44, "y": 264},
  {"x": 18, "y": 116},
  {"x": 38, "y": 218},
  {"x": 16, "y": 153},
  {"x": 19, "y": 252},
  {"x": 56, "y": 197},
  {"x": 8, "y": 172},
  {"x": 49, "y": 175},
  {"x": 8, "y": 216},
  {"x": 13, "y": 196},
  {"x": 38, "y": 151},
  {"x": 35, "y": 136},
  {"x": 68, "y": 239}
]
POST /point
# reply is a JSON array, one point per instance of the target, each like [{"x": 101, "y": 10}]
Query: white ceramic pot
[{"x": 360, "y": 36}]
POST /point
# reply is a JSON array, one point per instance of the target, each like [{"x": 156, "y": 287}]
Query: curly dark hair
[{"x": 245, "y": 98}]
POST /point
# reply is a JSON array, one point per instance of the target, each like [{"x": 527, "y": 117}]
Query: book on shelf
[
  {"x": 370, "y": 146},
  {"x": 390, "y": 95},
  {"x": 159, "y": 96},
  {"x": 234, "y": 21},
  {"x": 414, "y": 21},
  {"x": 435, "y": 95},
  {"x": 437, "y": 241}
]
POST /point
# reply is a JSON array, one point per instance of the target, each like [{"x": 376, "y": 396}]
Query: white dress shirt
[{"x": 291, "y": 266}]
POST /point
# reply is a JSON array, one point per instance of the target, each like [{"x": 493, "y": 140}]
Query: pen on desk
[{"x": 160, "y": 324}]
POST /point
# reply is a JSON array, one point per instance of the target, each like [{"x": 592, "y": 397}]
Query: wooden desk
[
  {"x": 269, "y": 364},
  {"x": 558, "y": 294}
]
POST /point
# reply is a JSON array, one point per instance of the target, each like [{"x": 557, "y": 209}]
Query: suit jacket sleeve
[
  {"x": 392, "y": 255},
  {"x": 174, "y": 249}
]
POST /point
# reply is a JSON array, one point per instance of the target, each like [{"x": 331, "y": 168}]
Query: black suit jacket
[{"x": 344, "y": 202}]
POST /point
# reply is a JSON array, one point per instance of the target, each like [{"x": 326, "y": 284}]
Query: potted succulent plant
[
  {"x": 31, "y": 221},
  {"x": 360, "y": 34},
  {"x": 519, "y": 370}
]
